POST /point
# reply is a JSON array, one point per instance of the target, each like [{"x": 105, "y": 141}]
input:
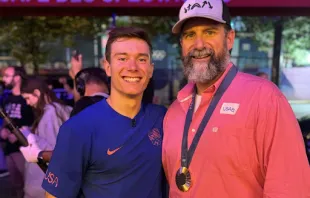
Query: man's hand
[
  {"x": 47, "y": 195},
  {"x": 76, "y": 66},
  {"x": 32, "y": 151},
  {"x": 4, "y": 133}
]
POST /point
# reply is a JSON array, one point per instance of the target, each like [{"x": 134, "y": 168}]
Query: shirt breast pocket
[{"x": 232, "y": 150}]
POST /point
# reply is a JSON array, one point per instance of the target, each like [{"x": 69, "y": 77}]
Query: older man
[{"x": 228, "y": 134}]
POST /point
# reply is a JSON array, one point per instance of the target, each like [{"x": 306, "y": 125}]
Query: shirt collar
[{"x": 100, "y": 94}]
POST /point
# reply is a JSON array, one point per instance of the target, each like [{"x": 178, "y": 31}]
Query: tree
[
  {"x": 296, "y": 33},
  {"x": 152, "y": 24},
  {"x": 28, "y": 38}
]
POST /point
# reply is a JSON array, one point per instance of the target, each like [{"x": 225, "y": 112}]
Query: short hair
[
  {"x": 126, "y": 32},
  {"x": 92, "y": 75},
  {"x": 89, "y": 75}
]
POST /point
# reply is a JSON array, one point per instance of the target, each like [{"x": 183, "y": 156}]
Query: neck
[
  {"x": 201, "y": 87},
  {"x": 16, "y": 90},
  {"x": 92, "y": 89},
  {"x": 124, "y": 105}
]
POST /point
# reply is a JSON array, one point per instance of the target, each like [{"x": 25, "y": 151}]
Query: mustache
[
  {"x": 201, "y": 53},
  {"x": 195, "y": 53}
]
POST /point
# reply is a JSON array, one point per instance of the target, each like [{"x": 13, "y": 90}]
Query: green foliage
[
  {"x": 28, "y": 38},
  {"x": 152, "y": 24},
  {"x": 296, "y": 34}
]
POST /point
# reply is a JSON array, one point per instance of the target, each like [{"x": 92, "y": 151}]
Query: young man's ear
[
  {"x": 107, "y": 67},
  {"x": 102, "y": 62}
]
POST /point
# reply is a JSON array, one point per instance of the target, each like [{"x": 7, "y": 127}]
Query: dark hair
[
  {"x": 34, "y": 83},
  {"x": 90, "y": 75},
  {"x": 19, "y": 71},
  {"x": 126, "y": 32}
]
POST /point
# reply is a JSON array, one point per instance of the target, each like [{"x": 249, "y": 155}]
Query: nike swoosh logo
[{"x": 111, "y": 152}]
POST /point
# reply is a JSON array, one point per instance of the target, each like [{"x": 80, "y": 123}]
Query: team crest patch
[{"x": 155, "y": 137}]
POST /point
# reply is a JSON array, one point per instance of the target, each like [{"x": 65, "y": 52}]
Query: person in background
[
  {"x": 50, "y": 114},
  {"x": 229, "y": 134},
  {"x": 92, "y": 85},
  {"x": 14, "y": 105}
]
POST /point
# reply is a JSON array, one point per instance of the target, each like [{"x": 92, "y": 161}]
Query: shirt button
[
  {"x": 215, "y": 129},
  {"x": 193, "y": 130}
]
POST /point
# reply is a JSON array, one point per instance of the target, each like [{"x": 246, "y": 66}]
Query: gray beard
[{"x": 204, "y": 72}]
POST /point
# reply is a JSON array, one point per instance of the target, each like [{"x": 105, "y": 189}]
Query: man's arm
[{"x": 281, "y": 150}]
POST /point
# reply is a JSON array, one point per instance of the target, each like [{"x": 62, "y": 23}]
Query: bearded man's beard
[{"x": 202, "y": 72}]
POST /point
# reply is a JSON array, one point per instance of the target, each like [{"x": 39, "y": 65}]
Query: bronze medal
[{"x": 183, "y": 179}]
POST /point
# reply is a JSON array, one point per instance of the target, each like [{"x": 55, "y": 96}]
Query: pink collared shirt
[{"x": 252, "y": 146}]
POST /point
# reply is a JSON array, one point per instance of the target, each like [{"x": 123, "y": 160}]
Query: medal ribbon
[{"x": 187, "y": 155}]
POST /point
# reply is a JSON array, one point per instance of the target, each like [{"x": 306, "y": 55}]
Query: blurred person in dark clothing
[
  {"x": 92, "y": 85},
  {"x": 21, "y": 114},
  {"x": 304, "y": 124}
]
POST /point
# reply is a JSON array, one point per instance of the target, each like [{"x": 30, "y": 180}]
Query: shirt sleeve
[
  {"x": 281, "y": 150},
  {"x": 68, "y": 165}
]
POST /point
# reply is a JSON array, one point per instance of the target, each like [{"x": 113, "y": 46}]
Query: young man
[
  {"x": 21, "y": 114},
  {"x": 238, "y": 134},
  {"x": 113, "y": 148}
]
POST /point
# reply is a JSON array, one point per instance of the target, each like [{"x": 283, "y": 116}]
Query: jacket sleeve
[{"x": 47, "y": 130}]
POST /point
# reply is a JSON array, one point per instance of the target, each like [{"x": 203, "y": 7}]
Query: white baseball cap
[{"x": 211, "y": 9}]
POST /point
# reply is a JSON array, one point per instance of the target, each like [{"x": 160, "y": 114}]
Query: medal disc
[{"x": 183, "y": 179}]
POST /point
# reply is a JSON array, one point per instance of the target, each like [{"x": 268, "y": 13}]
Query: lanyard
[{"x": 187, "y": 155}]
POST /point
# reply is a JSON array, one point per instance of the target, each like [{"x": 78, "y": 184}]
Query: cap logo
[{"x": 197, "y": 5}]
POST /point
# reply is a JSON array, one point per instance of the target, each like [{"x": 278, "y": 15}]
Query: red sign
[{"x": 148, "y": 3}]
